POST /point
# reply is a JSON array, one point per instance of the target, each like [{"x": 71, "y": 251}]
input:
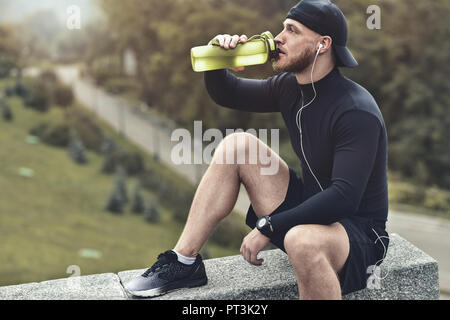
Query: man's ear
[{"x": 325, "y": 44}]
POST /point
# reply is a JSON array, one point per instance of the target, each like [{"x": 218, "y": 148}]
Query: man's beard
[{"x": 300, "y": 63}]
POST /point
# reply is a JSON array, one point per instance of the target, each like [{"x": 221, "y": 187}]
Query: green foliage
[
  {"x": 89, "y": 131},
  {"x": 5, "y": 110},
  {"x": 37, "y": 96},
  {"x": 408, "y": 193},
  {"x": 54, "y": 134},
  {"x": 55, "y": 130},
  {"x": 138, "y": 205},
  {"x": 45, "y": 90},
  {"x": 108, "y": 146},
  {"x": 121, "y": 186},
  {"x": 119, "y": 196},
  {"x": 404, "y": 65},
  {"x": 115, "y": 204},
  {"x": 151, "y": 214},
  {"x": 61, "y": 210},
  {"x": 76, "y": 148},
  {"x": 171, "y": 192},
  {"x": 131, "y": 161},
  {"x": 9, "y": 50},
  {"x": 63, "y": 95},
  {"x": 19, "y": 89}
]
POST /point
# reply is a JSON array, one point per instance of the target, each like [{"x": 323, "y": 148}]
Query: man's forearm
[{"x": 242, "y": 94}]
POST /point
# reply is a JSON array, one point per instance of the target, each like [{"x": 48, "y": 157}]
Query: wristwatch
[{"x": 264, "y": 226}]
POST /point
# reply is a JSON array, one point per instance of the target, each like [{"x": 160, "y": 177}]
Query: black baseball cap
[{"x": 325, "y": 18}]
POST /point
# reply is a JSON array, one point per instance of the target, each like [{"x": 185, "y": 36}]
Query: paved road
[{"x": 427, "y": 233}]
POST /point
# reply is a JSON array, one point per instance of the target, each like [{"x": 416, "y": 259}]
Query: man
[{"x": 331, "y": 223}]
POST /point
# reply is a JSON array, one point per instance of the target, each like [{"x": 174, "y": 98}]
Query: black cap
[{"x": 325, "y": 18}]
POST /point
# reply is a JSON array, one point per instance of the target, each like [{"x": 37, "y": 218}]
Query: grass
[{"x": 45, "y": 220}]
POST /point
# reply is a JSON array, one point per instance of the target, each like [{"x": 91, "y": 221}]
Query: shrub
[
  {"x": 152, "y": 214},
  {"x": 19, "y": 89},
  {"x": 138, "y": 205},
  {"x": 63, "y": 95},
  {"x": 114, "y": 204},
  {"x": 48, "y": 77},
  {"x": 6, "y": 113},
  {"x": 406, "y": 193},
  {"x": 132, "y": 162},
  {"x": 37, "y": 96},
  {"x": 6, "y": 110},
  {"x": 76, "y": 148},
  {"x": 89, "y": 132},
  {"x": 108, "y": 146},
  {"x": 57, "y": 135},
  {"x": 437, "y": 199},
  {"x": 39, "y": 129}
]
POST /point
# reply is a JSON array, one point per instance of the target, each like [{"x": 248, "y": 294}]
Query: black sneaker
[{"x": 168, "y": 274}]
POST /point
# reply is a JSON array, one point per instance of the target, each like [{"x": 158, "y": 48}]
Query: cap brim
[{"x": 344, "y": 57}]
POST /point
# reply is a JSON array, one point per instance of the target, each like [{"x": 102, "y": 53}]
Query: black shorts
[{"x": 368, "y": 239}]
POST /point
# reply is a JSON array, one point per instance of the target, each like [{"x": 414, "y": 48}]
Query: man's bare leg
[
  {"x": 218, "y": 190},
  {"x": 318, "y": 253}
]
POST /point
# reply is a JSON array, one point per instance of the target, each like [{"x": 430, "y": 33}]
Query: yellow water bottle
[{"x": 257, "y": 50}]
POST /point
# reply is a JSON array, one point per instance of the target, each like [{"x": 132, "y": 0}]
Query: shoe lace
[{"x": 164, "y": 259}]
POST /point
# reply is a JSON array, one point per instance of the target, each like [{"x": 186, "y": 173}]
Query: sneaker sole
[{"x": 169, "y": 287}]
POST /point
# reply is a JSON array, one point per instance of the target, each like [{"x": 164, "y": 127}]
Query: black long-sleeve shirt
[{"x": 344, "y": 140}]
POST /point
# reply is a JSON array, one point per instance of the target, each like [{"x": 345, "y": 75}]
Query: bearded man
[{"x": 331, "y": 221}]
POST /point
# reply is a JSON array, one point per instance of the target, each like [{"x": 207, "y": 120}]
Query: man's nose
[{"x": 278, "y": 38}]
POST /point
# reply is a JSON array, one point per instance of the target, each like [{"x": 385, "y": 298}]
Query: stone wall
[{"x": 407, "y": 273}]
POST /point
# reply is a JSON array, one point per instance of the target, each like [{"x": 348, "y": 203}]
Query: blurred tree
[
  {"x": 404, "y": 65},
  {"x": 138, "y": 205},
  {"x": 63, "y": 95},
  {"x": 121, "y": 176},
  {"x": 9, "y": 50},
  {"x": 76, "y": 148},
  {"x": 151, "y": 214},
  {"x": 6, "y": 110},
  {"x": 115, "y": 204}
]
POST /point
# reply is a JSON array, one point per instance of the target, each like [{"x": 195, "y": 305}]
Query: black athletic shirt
[{"x": 344, "y": 140}]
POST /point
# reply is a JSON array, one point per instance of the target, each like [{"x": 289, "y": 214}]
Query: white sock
[{"x": 184, "y": 259}]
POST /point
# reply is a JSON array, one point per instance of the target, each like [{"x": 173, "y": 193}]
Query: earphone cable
[{"x": 299, "y": 123}]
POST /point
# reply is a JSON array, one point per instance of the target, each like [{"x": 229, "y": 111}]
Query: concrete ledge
[
  {"x": 407, "y": 273},
  {"x": 104, "y": 286}
]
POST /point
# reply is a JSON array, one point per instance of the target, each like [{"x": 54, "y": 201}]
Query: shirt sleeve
[
  {"x": 243, "y": 94},
  {"x": 356, "y": 140}
]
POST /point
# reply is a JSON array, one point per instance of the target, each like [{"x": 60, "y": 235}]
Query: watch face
[{"x": 261, "y": 223}]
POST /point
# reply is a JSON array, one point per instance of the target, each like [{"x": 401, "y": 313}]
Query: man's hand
[
  {"x": 227, "y": 41},
  {"x": 252, "y": 244}
]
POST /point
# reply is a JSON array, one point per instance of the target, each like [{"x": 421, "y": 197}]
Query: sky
[{"x": 12, "y": 11}]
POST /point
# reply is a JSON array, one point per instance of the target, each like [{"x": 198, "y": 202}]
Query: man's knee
[
  {"x": 237, "y": 148},
  {"x": 305, "y": 244}
]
